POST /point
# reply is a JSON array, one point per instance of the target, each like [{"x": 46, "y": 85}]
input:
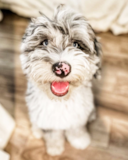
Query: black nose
[{"x": 61, "y": 69}]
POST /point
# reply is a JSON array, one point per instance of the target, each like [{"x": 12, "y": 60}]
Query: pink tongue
[{"x": 59, "y": 88}]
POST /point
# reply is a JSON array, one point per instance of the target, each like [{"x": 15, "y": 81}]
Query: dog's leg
[
  {"x": 54, "y": 142},
  {"x": 37, "y": 132},
  {"x": 78, "y": 137}
]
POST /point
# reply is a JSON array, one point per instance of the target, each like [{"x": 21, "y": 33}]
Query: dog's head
[{"x": 60, "y": 53}]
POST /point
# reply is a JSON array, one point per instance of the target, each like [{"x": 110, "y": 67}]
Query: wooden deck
[{"x": 109, "y": 132}]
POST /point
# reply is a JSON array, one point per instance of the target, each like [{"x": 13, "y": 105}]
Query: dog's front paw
[
  {"x": 79, "y": 138},
  {"x": 55, "y": 150},
  {"x": 54, "y": 142},
  {"x": 81, "y": 142}
]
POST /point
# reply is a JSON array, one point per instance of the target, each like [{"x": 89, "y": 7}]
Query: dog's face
[{"x": 60, "y": 54}]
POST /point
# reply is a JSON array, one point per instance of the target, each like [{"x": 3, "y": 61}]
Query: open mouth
[{"x": 60, "y": 88}]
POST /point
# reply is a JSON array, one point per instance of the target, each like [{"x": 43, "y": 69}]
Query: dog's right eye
[
  {"x": 75, "y": 44},
  {"x": 44, "y": 43}
]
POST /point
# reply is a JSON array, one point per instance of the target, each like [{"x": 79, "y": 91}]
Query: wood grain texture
[
  {"x": 112, "y": 90},
  {"x": 109, "y": 131}
]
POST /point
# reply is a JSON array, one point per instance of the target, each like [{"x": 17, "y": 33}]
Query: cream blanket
[{"x": 103, "y": 15}]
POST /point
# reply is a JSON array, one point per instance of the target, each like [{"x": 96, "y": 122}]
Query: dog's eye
[
  {"x": 45, "y": 42},
  {"x": 75, "y": 44}
]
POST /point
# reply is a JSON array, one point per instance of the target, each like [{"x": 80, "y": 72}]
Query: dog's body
[{"x": 60, "y": 58}]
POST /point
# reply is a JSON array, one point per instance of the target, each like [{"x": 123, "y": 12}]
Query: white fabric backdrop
[{"x": 102, "y": 14}]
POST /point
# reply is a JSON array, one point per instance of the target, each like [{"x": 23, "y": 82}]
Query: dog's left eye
[
  {"x": 75, "y": 44},
  {"x": 45, "y": 42}
]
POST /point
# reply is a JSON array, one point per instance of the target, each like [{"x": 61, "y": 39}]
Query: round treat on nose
[{"x": 61, "y": 69}]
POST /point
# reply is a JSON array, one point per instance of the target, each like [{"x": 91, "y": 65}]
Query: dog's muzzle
[{"x": 61, "y": 69}]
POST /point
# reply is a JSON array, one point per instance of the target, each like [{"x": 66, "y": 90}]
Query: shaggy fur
[{"x": 51, "y": 116}]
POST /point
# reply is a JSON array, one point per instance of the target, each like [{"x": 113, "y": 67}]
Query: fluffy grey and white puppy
[{"x": 60, "y": 57}]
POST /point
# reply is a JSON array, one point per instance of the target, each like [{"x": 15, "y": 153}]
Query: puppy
[{"x": 60, "y": 57}]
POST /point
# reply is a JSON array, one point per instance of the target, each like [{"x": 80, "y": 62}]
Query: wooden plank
[
  {"x": 113, "y": 45},
  {"x": 13, "y": 20},
  {"x": 112, "y": 90},
  {"x": 12, "y": 31}
]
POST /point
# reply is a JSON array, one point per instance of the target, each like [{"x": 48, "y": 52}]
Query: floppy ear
[
  {"x": 35, "y": 22},
  {"x": 98, "y": 52},
  {"x": 29, "y": 30}
]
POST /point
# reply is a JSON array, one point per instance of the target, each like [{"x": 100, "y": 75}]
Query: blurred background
[{"x": 109, "y": 19}]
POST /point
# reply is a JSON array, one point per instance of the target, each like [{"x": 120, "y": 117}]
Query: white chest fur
[{"x": 64, "y": 114}]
